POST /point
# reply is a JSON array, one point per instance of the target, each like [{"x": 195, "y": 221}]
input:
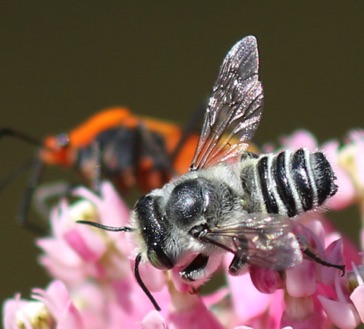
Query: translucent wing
[
  {"x": 258, "y": 239},
  {"x": 234, "y": 108}
]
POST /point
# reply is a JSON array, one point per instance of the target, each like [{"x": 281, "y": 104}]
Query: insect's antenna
[
  {"x": 19, "y": 135},
  {"x": 105, "y": 227},
  {"x": 138, "y": 258}
]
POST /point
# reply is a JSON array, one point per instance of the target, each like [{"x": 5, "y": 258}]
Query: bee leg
[
  {"x": 237, "y": 265},
  {"x": 313, "y": 256}
]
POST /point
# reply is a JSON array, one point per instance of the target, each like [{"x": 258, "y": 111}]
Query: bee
[
  {"x": 130, "y": 150},
  {"x": 232, "y": 200}
]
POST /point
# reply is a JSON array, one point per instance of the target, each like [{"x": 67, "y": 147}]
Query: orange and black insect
[
  {"x": 134, "y": 151},
  {"x": 129, "y": 150}
]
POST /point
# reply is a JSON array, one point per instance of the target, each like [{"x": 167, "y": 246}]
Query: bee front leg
[{"x": 237, "y": 265}]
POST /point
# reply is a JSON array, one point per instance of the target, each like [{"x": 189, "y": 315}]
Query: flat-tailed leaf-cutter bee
[{"x": 232, "y": 200}]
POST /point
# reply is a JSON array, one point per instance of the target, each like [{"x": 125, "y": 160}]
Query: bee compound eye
[
  {"x": 186, "y": 201},
  {"x": 158, "y": 257}
]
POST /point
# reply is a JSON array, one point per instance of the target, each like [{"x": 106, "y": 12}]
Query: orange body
[{"x": 120, "y": 133}]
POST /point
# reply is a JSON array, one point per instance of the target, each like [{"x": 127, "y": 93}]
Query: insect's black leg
[
  {"x": 240, "y": 259},
  {"x": 202, "y": 266},
  {"x": 313, "y": 256},
  {"x": 146, "y": 142},
  {"x": 34, "y": 179},
  {"x": 43, "y": 194},
  {"x": 137, "y": 149}
]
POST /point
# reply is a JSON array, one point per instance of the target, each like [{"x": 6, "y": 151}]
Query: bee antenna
[
  {"x": 105, "y": 227},
  {"x": 19, "y": 135},
  {"x": 138, "y": 258}
]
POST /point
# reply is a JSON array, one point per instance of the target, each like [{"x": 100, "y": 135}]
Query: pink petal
[
  {"x": 153, "y": 278},
  {"x": 334, "y": 255},
  {"x": 56, "y": 294},
  {"x": 52, "y": 247},
  {"x": 248, "y": 302},
  {"x": 153, "y": 320},
  {"x": 361, "y": 239},
  {"x": 70, "y": 318},
  {"x": 92, "y": 300},
  {"x": 195, "y": 317},
  {"x": 301, "y": 313},
  {"x": 90, "y": 250},
  {"x": 215, "y": 297},
  {"x": 346, "y": 193},
  {"x": 357, "y": 297},
  {"x": 360, "y": 166},
  {"x": 113, "y": 211},
  {"x": 342, "y": 314},
  {"x": 266, "y": 280},
  {"x": 121, "y": 212},
  {"x": 298, "y": 139},
  {"x": 301, "y": 279},
  {"x": 10, "y": 309},
  {"x": 331, "y": 149}
]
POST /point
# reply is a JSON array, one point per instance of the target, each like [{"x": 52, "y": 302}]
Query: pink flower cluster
[{"x": 94, "y": 284}]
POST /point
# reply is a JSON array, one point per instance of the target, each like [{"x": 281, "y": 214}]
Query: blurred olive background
[{"x": 61, "y": 62}]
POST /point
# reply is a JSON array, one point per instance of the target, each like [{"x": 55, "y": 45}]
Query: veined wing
[
  {"x": 234, "y": 108},
  {"x": 264, "y": 240}
]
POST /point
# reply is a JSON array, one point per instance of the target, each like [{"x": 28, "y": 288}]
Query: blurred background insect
[{"x": 132, "y": 151}]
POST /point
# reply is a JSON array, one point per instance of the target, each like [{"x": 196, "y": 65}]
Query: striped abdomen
[{"x": 288, "y": 183}]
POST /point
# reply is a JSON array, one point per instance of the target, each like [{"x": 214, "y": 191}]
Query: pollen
[{"x": 36, "y": 315}]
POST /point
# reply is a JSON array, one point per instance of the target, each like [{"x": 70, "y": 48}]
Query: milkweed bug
[{"x": 131, "y": 151}]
